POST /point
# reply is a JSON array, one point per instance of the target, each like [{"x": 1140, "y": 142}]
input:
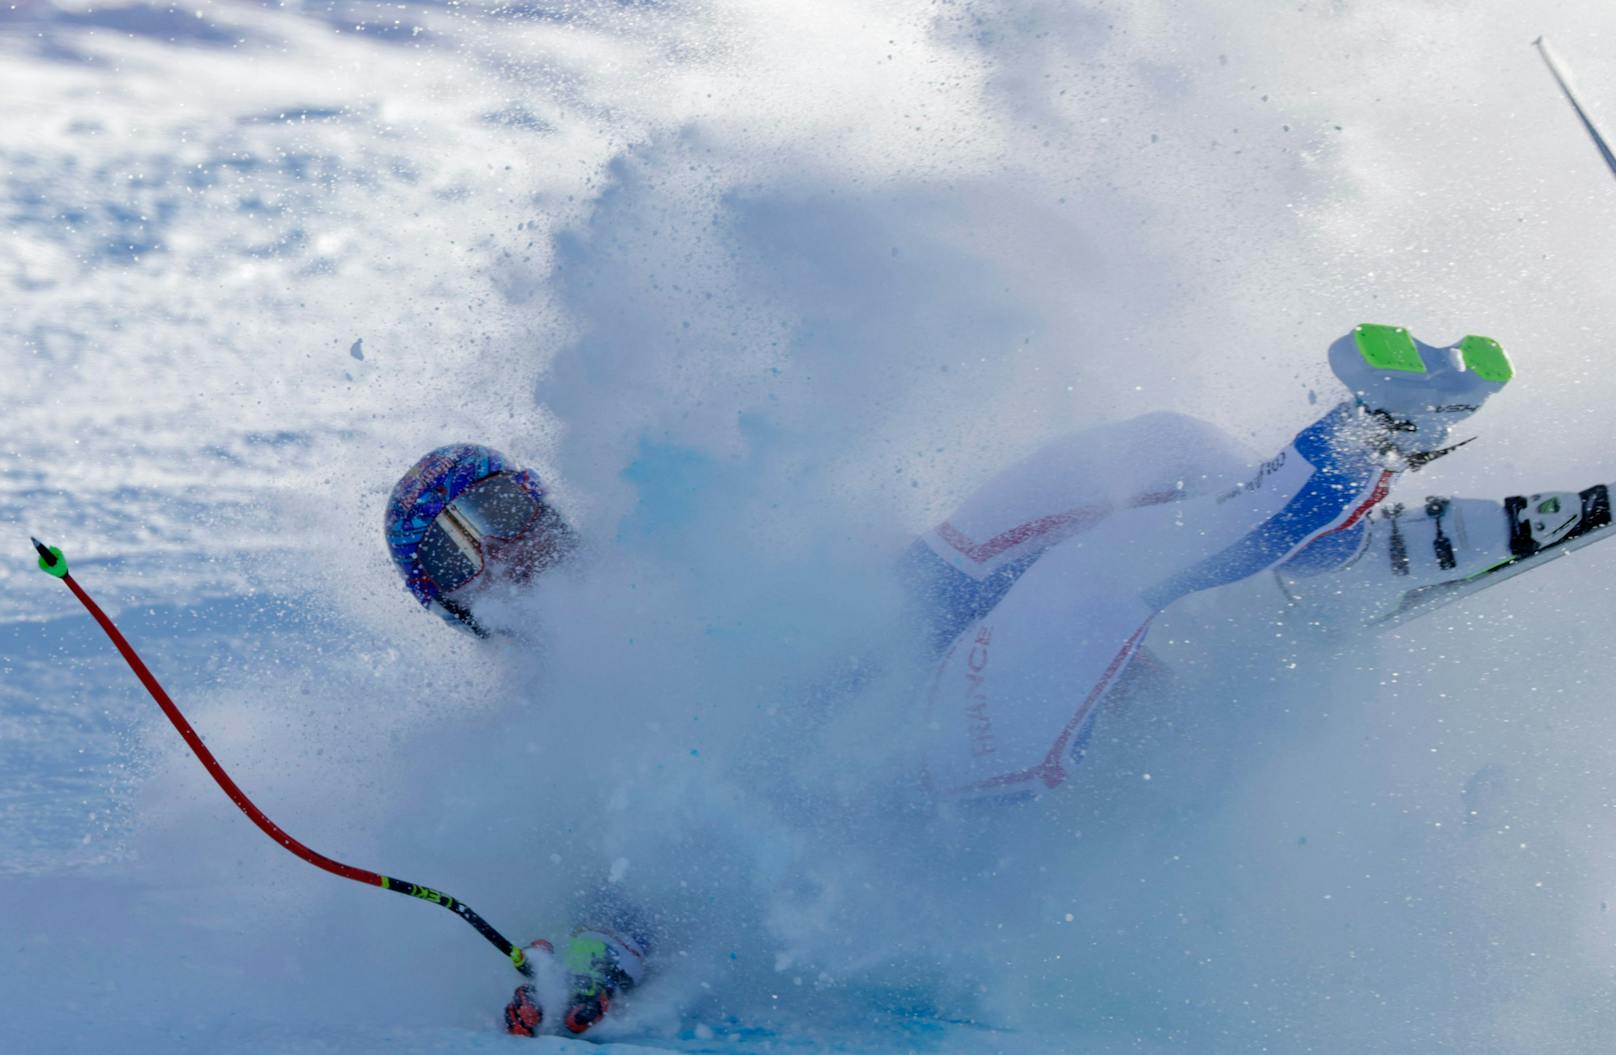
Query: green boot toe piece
[
  {"x": 1388, "y": 348},
  {"x": 1485, "y": 358}
]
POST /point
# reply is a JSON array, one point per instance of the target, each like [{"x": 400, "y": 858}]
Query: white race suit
[{"x": 1038, "y": 591}]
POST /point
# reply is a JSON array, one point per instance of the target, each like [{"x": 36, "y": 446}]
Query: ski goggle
[{"x": 498, "y": 507}]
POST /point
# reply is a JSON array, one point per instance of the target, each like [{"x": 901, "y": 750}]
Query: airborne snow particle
[{"x": 357, "y": 349}]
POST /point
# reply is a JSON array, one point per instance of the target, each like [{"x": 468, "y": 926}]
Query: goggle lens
[
  {"x": 497, "y": 507},
  {"x": 448, "y": 564},
  {"x": 451, "y": 550}
]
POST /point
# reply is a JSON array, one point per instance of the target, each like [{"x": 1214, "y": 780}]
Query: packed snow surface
[{"x": 763, "y": 290}]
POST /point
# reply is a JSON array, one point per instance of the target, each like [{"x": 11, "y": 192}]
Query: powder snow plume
[{"x": 762, "y": 291}]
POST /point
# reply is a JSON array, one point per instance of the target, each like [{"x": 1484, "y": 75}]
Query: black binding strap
[
  {"x": 1436, "y": 508},
  {"x": 1397, "y": 547}
]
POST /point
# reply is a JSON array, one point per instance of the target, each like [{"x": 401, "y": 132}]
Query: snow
[{"x": 764, "y": 290}]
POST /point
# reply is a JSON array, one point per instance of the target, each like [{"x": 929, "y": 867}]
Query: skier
[{"x": 1039, "y": 591}]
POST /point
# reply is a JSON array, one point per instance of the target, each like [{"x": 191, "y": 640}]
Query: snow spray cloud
[
  {"x": 780, "y": 353},
  {"x": 786, "y": 285}
]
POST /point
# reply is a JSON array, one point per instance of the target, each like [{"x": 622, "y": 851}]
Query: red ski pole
[{"x": 52, "y": 562}]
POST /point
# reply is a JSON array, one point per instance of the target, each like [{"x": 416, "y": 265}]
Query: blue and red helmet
[{"x": 444, "y": 507}]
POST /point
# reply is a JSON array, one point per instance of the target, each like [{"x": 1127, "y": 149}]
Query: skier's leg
[
  {"x": 1408, "y": 397},
  {"x": 1075, "y": 481},
  {"x": 961, "y": 568},
  {"x": 1010, "y": 698},
  {"x": 1013, "y": 695},
  {"x": 1015, "y": 690}
]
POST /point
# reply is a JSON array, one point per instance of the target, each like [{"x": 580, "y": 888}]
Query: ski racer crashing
[{"x": 1030, "y": 617}]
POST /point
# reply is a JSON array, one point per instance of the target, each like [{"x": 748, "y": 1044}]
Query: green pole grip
[{"x": 51, "y": 561}]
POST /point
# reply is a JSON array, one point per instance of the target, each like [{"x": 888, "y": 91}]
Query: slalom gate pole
[{"x": 52, "y": 562}]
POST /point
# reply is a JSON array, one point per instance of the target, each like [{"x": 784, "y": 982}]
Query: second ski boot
[
  {"x": 602, "y": 964},
  {"x": 596, "y": 966},
  {"x": 1412, "y": 394}
]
